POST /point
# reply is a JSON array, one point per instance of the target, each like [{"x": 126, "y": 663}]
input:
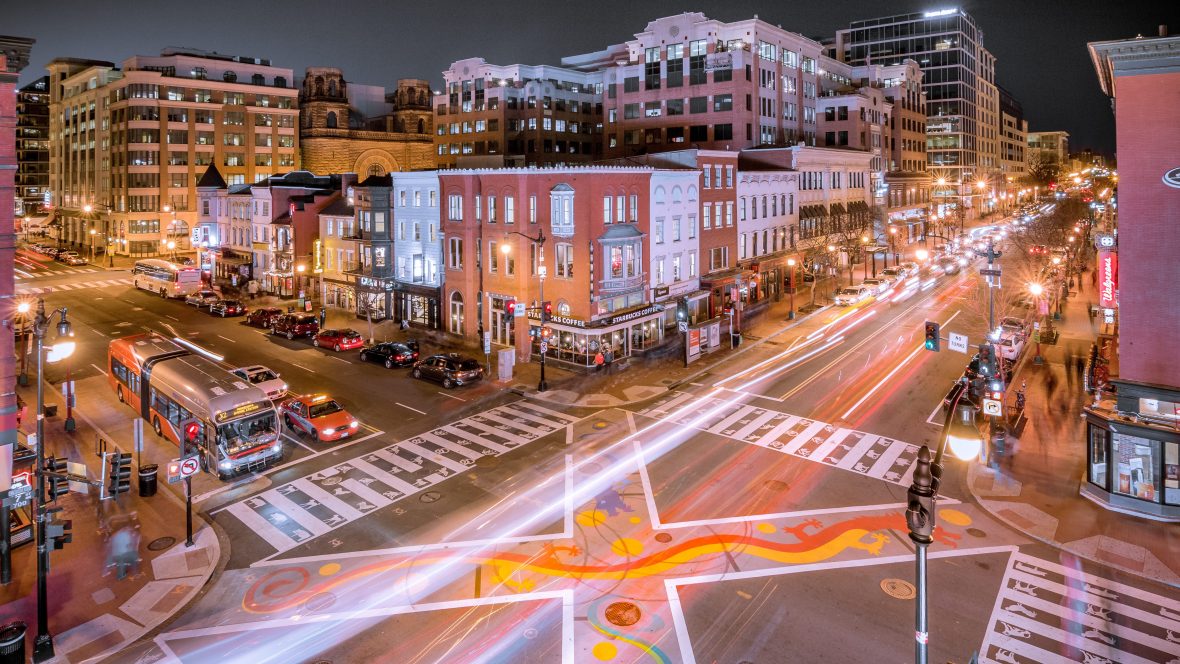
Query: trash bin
[
  {"x": 999, "y": 443},
  {"x": 50, "y": 410},
  {"x": 147, "y": 480},
  {"x": 12, "y": 642}
]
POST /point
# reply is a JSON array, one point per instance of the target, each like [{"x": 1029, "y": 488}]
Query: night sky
[{"x": 1040, "y": 46}]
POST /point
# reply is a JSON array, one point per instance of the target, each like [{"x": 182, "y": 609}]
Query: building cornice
[{"x": 1134, "y": 57}]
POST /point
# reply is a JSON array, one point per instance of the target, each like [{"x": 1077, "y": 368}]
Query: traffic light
[
  {"x": 987, "y": 360},
  {"x": 546, "y": 312},
  {"x": 190, "y": 433},
  {"x": 57, "y": 485},
  {"x": 120, "y": 473},
  {"x": 932, "y": 339},
  {"x": 510, "y": 307},
  {"x": 58, "y": 532}
]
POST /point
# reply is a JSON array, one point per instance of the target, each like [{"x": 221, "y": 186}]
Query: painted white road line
[
  {"x": 541, "y": 409},
  {"x": 451, "y": 429},
  {"x": 439, "y": 459},
  {"x": 339, "y": 359},
  {"x": 804, "y": 437},
  {"x": 313, "y": 491},
  {"x": 296, "y": 513},
  {"x": 258, "y": 525},
  {"x": 98, "y": 368},
  {"x": 421, "y": 412},
  {"x": 293, "y": 436},
  {"x": 452, "y": 446},
  {"x": 301, "y": 367},
  {"x": 385, "y": 477},
  {"x": 935, "y": 413},
  {"x": 170, "y": 316},
  {"x": 451, "y": 396},
  {"x": 228, "y": 339}
]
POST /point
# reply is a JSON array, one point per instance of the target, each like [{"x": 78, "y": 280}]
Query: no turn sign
[{"x": 179, "y": 469}]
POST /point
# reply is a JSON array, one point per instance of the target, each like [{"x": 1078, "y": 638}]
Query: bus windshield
[{"x": 247, "y": 433}]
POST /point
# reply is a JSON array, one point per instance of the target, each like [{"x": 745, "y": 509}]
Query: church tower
[{"x": 323, "y": 101}]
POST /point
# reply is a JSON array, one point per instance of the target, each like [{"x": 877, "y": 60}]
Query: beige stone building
[{"x": 353, "y": 128}]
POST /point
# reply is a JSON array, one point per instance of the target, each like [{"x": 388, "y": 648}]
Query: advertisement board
[{"x": 1108, "y": 279}]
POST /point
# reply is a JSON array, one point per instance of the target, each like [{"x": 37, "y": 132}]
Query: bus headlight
[{"x": 328, "y": 432}]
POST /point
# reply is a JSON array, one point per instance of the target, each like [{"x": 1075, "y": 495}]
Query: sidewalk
[
  {"x": 1036, "y": 489},
  {"x": 91, "y": 611},
  {"x": 648, "y": 377}
]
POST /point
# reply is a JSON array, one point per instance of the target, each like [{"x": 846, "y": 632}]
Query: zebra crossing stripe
[
  {"x": 1116, "y": 630},
  {"x": 569, "y": 419},
  {"x": 1074, "y": 593},
  {"x": 441, "y": 460},
  {"x": 365, "y": 493},
  {"x": 854, "y": 455},
  {"x": 448, "y": 445},
  {"x": 397, "y": 460},
  {"x": 821, "y": 453},
  {"x": 756, "y": 424},
  {"x": 885, "y": 461},
  {"x": 313, "y": 491},
  {"x": 518, "y": 440},
  {"x": 804, "y": 437},
  {"x": 259, "y": 525},
  {"x": 388, "y": 479},
  {"x": 725, "y": 422},
  {"x": 674, "y": 403},
  {"x": 467, "y": 435},
  {"x": 492, "y": 415},
  {"x": 296, "y": 513},
  {"x": 778, "y": 430},
  {"x": 516, "y": 412}
]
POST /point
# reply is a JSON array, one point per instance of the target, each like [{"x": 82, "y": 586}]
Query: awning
[
  {"x": 813, "y": 212},
  {"x": 838, "y": 208},
  {"x": 858, "y": 206}
]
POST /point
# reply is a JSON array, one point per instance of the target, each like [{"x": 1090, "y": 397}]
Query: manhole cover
[
  {"x": 774, "y": 485},
  {"x": 530, "y": 633},
  {"x": 899, "y": 589},
  {"x": 430, "y": 496},
  {"x": 161, "y": 543},
  {"x": 663, "y": 538},
  {"x": 623, "y": 614},
  {"x": 975, "y": 532},
  {"x": 319, "y": 601}
]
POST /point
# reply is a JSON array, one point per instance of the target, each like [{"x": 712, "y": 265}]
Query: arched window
[
  {"x": 376, "y": 169},
  {"x": 421, "y": 126},
  {"x": 319, "y": 86},
  {"x": 659, "y": 195},
  {"x": 676, "y": 194},
  {"x": 692, "y": 194},
  {"x": 280, "y": 81},
  {"x": 331, "y": 119},
  {"x": 455, "y": 319},
  {"x": 200, "y": 73},
  {"x": 563, "y": 308},
  {"x": 332, "y": 88},
  {"x": 229, "y": 76}
]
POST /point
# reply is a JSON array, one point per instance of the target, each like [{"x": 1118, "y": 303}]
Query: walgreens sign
[{"x": 1108, "y": 279}]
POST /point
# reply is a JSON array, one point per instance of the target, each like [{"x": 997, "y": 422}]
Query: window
[
  {"x": 565, "y": 260},
  {"x": 675, "y": 229},
  {"x": 722, "y": 103},
  {"x": 455, "y": 253},
  {"x": 723, "y": 132},
  {"x": 532, "y": 209},
  {"x": 455, "y": 318},
  {"x": 701, "y": 104},
  {"x": 706, "y": 220},
  {"x": 675, "y": 106},
  {"x": 455, "y": 207},
  {"x": 708, "y": 177},
  {"x": 606, "y": 209},
  {"x": 660, "y": 230},
  {"x": 728, "y": 213},
  {"x": 510, "y": 209},
  {"x": 634, "y": 208},
  {"x": 718, "y": 258}
]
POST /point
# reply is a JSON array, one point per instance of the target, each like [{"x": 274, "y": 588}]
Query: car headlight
[
  {"x": 285, "y": 387},
  {"x": 278, "y": 446},
  {"x": 353, "y": 424},
  {"x": 328, "y": 432},
  {"x": 225, "y": 465}
]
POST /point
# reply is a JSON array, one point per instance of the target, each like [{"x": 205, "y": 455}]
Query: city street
[{"x": 682, "y": 528}]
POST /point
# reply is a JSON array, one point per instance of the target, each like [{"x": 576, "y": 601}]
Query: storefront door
[{"x": 503, "y": 325}]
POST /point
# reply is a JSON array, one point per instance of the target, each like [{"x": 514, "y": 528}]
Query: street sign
[
  {"x": 544, "y": 347},
  {"x": 178, "y": 469},
  {"x": 487, "y": 342},
  {"x": 137, "y": 434},
  {"x": 682, "y": 326},
  {"x": 958, "y": 342},
  {"x": 987, "y": 272},
  {"x": 1036, "y": 325},
  {"x": 992, "y": 407}
]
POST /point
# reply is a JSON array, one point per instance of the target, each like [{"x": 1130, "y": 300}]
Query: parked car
[
  {"x": 338, "y": 340},
  {"x": 63, "y": 256},
  {"x": 876, "y": 286},
  {"x": 852, "y": 295},
  {"x": 391, "y": 353},
  {"x": 450, "y": 369},
  {"x": 893, "y": 273},
  {"x": 295, "y": 325},
  {"x": 264, "y": 317},
  {"x": 225, "y": 308},
  {"x": 319, "y": 416},
  {"x": 1010, "y": 346},
  {"x": 202, "y": 298},
  {"x": 186, "y": 261},
  {"x": 264, "y": 379},
  {"x": 74, "y": 260},
  {"x": 948, "y": 266},
  {"x": 1013, "y": 325}
]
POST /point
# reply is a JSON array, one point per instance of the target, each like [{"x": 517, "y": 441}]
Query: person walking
[
  {"x": 599, "y": 360},
  {"x": 608, "y": 357}
]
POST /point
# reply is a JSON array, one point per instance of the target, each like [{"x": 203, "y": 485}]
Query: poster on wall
[{"x": 1108, "y": 279}]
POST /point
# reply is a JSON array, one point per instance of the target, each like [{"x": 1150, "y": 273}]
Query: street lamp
[
  {"x": 92, "y": 234},
  {"x": 43, "y": 642},
  {"x": 172, "y": 250},
  {"x": 921, "y": 254},
  {"x": 1036, "y": 290},
  {"x": 22, "y": 316},
  {"x": 892, "y": 238},
  {"x": 506, "y": 248},
  {"x": 961, "y": 434}
]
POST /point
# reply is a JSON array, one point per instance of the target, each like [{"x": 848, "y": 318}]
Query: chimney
[{"x": 1163, "y": 30}]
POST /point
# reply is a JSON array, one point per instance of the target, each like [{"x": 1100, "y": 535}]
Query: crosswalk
[
  {"x": 41, "y": 290},
  {"x": 1053, "y": 614},
  {"x": 22, "y": 275},
  {"x": 855, "y": 451},
  {"x": 313, "y": 505}
]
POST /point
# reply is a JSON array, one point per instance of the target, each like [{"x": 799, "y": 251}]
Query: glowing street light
[{"x": 922, "y": 254}]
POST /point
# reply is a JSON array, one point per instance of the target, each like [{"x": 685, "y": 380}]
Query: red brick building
[
  {"x": 593, "y": 265},
  {"x": 1134, "y": 443}
]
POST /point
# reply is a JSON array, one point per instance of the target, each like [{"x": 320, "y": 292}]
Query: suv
[
  {"x": 296, "y": 325},
  {"x": 450, "y": 369}
]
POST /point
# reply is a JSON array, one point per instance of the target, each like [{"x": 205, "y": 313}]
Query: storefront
[
  {"x": 374, "y": 297},
  {"x": 233, "y": 268},
  {"x": 417, "y": 304},
  {"x": 1133, "y": 456},
  {"x": 339, "y": 294},
  {"x": 575, "y": 342}
]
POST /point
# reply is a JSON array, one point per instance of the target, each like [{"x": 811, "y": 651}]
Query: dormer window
[{"x": 229, "y": 77}]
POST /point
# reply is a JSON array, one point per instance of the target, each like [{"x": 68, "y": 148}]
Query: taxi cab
[{"x": 318, "y": 416}]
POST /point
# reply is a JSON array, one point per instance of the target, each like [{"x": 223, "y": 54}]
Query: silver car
[
  {"x": 265, "y": 379},
  {"x": 852, "y": 295}
]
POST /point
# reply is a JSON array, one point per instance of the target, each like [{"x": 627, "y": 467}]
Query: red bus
[{"x": 167, "y": 383}]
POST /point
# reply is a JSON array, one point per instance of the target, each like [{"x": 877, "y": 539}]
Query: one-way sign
[{"x": 988, "y": 272}]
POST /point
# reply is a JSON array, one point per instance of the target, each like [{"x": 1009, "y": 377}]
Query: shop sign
[
  {"x": 715, "y": 61},
  {"x": 639, "y": 313},
  {"x": 376, "y": 283},
  {"x": 566, "y": 320},
  {"x": 661, "y": 291},
  {"x": 1108, "y": 279}
]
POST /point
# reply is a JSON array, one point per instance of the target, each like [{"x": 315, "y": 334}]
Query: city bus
[
  {"x": 166, "y": 278},
  {"x": 168, "y": 383}
]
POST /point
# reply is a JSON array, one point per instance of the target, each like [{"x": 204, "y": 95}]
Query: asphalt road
[{"x": 755, "y": 515}]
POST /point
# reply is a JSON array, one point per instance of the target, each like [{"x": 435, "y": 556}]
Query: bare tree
[{"x": 1040, "y": 170}]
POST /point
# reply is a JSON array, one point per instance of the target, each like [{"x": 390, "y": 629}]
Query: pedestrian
[
  {"x": 323, "y": 316},
  {"x": 608, "y": 357},
  {"x": 599, "y": 360},
  {"x": 1050, "y": 385},
  {"x": 123, "y": 548}
]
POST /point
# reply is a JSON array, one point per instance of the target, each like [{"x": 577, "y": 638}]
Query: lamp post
[
  {"x": 961, "y": 433},
  {"x": 22, "y": 317},
  {"x": 171, "y": 250},
  {"x": 1036, "y": 290},
  {"x": 791, "y": 288},
  {"x": 892, "y": 238},
  {"x": 43, "y": 642},
  {"x": 542, "y": 384},
  {"x": 92, "y": 234},
  {"x": 864, "y": 248}
]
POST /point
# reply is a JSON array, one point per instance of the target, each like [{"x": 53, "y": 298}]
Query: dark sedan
[
  {"x": 264, "y": 317},
  {"x": 391, "y": 353},
  {"x": 225, "y": 308},
  {"x": 450, "y": 369}
]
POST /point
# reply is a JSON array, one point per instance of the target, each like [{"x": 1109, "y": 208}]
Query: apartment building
[
  {"x": 688, "y": 81},
  {"x": 1013, "y": 144},
  {"x": 32, "y": 148},
  {"x": 1052, "y": 147},
  {"x": 128, "y": 144},
  {"x": 417, "y": 248},
  {"x": 592, "y": 265},
  {"x": 517, "y": 115}
]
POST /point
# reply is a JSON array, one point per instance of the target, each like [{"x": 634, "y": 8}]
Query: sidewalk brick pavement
[{"x": 1036, "y": 489}]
